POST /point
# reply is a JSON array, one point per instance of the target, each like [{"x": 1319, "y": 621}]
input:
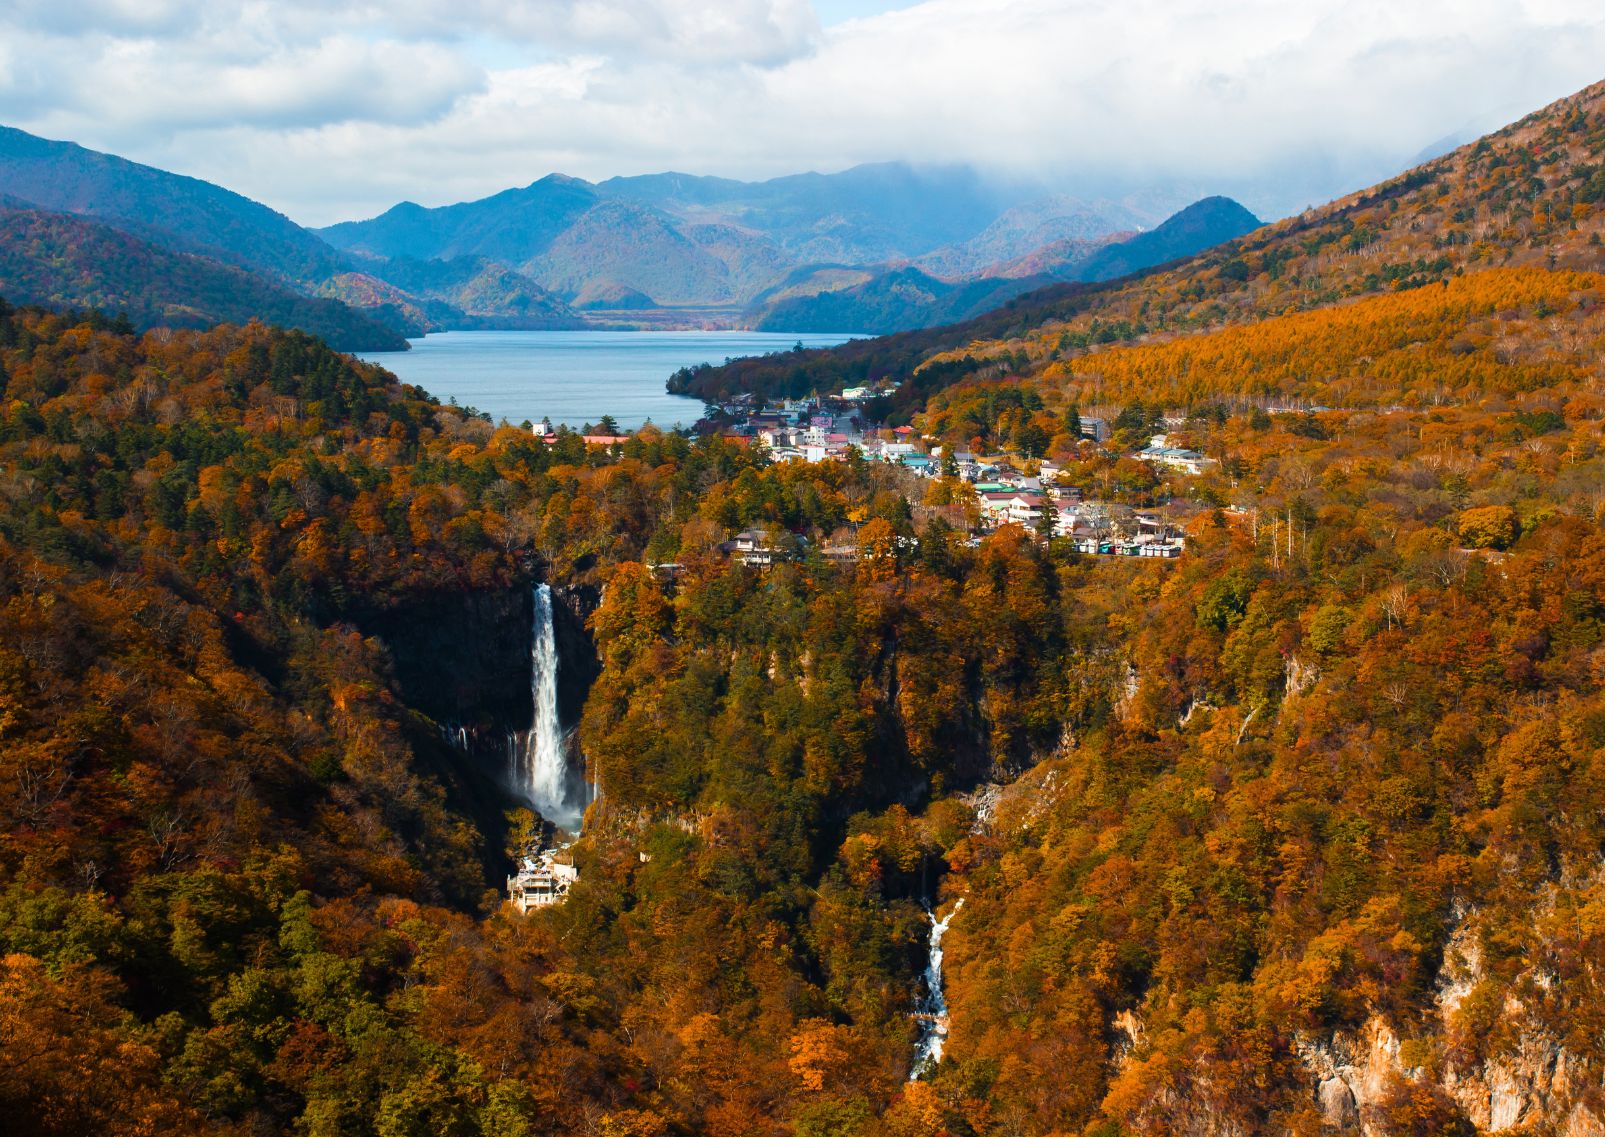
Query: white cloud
[{"x": 340, "y": 112}]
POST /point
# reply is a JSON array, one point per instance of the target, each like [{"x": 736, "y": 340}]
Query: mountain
[
  {"x": 1025, "y": 229},
  {"x": 163, "y": 208},
  {"x": 1529, "y": 194},
  {"x": 866, "y": 214},
  {"x": 903, "y": 299},
  {"x": 472, "y": 291},
  {"x": 1202, "y": 225},
  {"x": 635, "y": 246},
  {"x": 891, "y": 301},
  {"x": 66, "y": 261},
  {"x": 687, "y": 241},
  {"x": 510, "y": 227}
]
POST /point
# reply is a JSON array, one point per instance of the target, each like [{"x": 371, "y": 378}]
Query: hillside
[
  {"x": 164, "y": 208},
  {"x": 62, "y": 261},
  {"x": 633, "y": 246},
  {"x": 1526, "y": 195}
]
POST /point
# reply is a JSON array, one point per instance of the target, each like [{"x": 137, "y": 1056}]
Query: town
[{"x": 997, "y": 489}]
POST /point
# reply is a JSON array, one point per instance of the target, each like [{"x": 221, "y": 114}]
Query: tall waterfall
[
  {"x": 540, "y": 763},
  {"x": 931, "y": 1010}
]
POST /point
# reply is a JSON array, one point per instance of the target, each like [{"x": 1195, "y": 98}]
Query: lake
[{"x": 575, "y": 377}]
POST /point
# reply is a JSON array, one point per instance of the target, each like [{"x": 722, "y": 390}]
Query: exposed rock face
[
  {"x": 1516, "y": 1075},
  {"x": 1353, "y": 1073},
  {"x": 463, "y": 658},
  {"x": 577, "y": 662}
]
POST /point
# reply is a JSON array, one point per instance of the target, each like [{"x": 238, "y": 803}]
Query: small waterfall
[
  {"x": 931, "y": 1009},
  {"x": 540, "y": 765}
]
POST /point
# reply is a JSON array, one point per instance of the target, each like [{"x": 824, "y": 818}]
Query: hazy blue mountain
[
  {"x": 688, "y": 240},
  {"x": 511, "y": 227},
  {"x": 906, "y": 298},
  {"x": 472, "y": 290},
  {"x": 1019, "y": 232},
  {"x": 168, "y": 209},
  {"x": 65, "y": 261},
  {"x": 1200, "y": 226},
  {"x": 861, "y": 215},
  {"x": 895, "y": 301},
  {"x": 635, "y": 246}
]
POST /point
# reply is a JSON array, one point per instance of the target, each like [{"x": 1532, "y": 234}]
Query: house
[
  {"x": 542, "y": 880},
  {"x": 858, "y": 394},
  {"x": 1003, "y": 507},
  {"x": 1095, "y": 429},
  {"x": 1173, "y": 458},
  {"x": 755, "y": 548}
]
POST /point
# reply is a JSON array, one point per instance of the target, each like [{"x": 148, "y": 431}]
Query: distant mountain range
[
  {"x": 874, "y": 248},
  {"x": 904, "y": 299},
  {"x": 679, "y": 240}
]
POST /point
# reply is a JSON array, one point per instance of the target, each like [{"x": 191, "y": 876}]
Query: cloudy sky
[{"x": 329, "y": 111}]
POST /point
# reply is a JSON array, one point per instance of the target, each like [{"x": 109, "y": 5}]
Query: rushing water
[
  {"x": 575, "y": 377},
  {"x": 540, "y": 755},
  {"x": 931, "y": 1010}
]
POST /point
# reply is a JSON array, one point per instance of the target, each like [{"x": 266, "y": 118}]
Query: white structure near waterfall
[
  {"x": 541, "y": 771},
  {"x": 542, "y": 880}
]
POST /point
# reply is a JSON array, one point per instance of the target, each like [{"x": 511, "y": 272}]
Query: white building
[
  {"x": 542, "y": 880},
  {"x": 1187, "y": 461}
]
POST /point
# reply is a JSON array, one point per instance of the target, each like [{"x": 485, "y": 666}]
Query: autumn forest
[{"x": 1300, "y": 832}]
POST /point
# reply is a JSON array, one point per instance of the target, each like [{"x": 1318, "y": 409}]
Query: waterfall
[
  {"x": 540, "y": 766},
  {"x": 931, "y": 1009}
]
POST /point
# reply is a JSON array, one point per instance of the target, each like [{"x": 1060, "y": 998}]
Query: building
[
  {"x": 542, "y": 880},
  {"x": 756, "y": 548},
  {"x": 1173, "y": 458},
  {"x": 1003, "y": 507}
]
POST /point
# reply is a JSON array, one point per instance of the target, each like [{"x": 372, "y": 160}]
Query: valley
[{"x": 1076, "y": 668}]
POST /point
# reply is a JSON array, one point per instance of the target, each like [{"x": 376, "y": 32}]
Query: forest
[
  {"x": 1255, "y": 798},
  {"x": 1297, "y": 833}
]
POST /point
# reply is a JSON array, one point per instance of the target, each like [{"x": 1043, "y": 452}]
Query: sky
[{"x": 331, "y": 111}]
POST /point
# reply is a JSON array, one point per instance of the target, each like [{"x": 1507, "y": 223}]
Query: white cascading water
[
  {"x": 931, "y": 1010},
  {"x": 540, "y": 754}
]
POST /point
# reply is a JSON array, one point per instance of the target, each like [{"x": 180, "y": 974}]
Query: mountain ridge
[{"x": 69, "y": 261}]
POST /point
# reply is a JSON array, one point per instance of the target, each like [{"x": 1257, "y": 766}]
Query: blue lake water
[{"x": 575, "y": 377}]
